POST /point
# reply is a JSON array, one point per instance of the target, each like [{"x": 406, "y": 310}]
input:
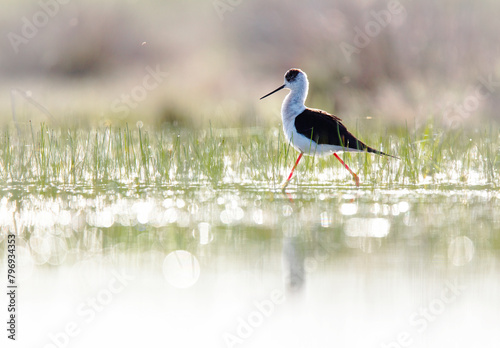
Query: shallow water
[{"x": 249, "y": 266}]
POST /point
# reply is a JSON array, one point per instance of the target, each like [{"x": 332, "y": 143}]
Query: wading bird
[{"x": 312, "y": 131}]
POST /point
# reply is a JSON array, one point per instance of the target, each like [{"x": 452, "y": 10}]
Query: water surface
[{"x": 249, "y": 266}]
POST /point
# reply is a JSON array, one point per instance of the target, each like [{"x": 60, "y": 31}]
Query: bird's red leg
[
  {"x": 356, "y": 179},
  {"x": 291, "y": 173}
]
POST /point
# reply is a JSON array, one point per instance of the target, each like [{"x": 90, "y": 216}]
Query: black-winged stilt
[{"x": 312, "y": 131}]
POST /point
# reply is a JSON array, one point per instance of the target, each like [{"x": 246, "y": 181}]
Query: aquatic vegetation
[{"x": 171, "y": 155}]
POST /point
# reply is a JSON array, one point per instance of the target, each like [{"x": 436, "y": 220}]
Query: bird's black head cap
[{"x": 291, "y": 74}]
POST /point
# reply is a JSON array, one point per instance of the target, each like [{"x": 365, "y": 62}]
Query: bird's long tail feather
[{"x": 372, "y": 150}]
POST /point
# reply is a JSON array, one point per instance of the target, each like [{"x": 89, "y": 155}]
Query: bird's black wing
[{"x": 324, "y": 128}]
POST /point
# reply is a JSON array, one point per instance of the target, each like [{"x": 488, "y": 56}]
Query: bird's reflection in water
[
  {"x": 293, "y": 256},
  {"x": 304, "y": 250}
]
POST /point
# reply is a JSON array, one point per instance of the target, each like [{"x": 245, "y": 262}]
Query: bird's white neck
[{"x": 293, "y": 104}]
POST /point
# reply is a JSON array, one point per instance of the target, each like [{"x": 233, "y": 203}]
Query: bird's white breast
[{"x": 290, "y": 109}]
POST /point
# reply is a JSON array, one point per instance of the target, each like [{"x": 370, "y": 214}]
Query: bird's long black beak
[{"x": 276, "y": 90}]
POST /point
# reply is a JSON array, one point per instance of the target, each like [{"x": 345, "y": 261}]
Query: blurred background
[{"x": 210, "y": 61}]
